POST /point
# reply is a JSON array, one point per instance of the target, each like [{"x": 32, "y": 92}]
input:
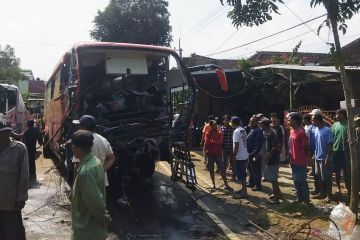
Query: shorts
[
  {"x": 272, "y": 172},
  {"x": 211, "y": 159},
  {"x": 322, "y": 171},
  {"x": 240, "y": 169}
]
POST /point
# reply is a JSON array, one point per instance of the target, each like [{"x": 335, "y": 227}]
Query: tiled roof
[
  {"x": 266, "y": 57},
  {"x": 352, "y": 52},
  {"x": 37, "y": 86},
  {"x": 195, "y": 60}
]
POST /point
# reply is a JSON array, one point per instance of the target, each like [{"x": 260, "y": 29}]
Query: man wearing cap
[
  {"x": 299, "y": 157},
  {"x": 323, "y": 139},
  {"x": 101, "y": 147},
  {"x": 14, "y": 184},
  {"x": 341, "y": 148},
  {"x": 30, "y": 137},
  {"x": 240, "y": 156},
  {"x": 88, "y": 207},
  {"x": 254, "y": 144}
]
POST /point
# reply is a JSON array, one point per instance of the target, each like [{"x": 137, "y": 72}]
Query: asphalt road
[{"x": 160, "y": 209}]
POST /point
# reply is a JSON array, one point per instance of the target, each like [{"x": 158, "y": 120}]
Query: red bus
[{"x": 130, "y": 89}]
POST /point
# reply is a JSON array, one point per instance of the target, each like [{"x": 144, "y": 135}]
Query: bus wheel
[{"x": 147, "y": 168}]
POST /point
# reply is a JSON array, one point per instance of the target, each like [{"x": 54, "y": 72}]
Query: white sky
[{"x": 41, "y": 31}]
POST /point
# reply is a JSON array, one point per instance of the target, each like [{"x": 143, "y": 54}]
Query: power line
[
  {"x": 297, "y": 16},
  {"x": 275, "y": 44},
  {"x": 260, "y": 39},
  {"x": 231, "y": 36},
  {"x": 213, "y": 11},
  {"x": 209, "y": 21},
  {"x": 36, "y": 43}
]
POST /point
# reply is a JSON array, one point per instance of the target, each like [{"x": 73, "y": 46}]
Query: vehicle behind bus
[
  {"x": 128, "y": 88},
  {"x": 12, "y": 107}
]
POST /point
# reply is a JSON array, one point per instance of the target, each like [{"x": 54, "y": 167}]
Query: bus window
[
  {"x": 11, "y": 96},
  {"x": 2, "y": 100}
]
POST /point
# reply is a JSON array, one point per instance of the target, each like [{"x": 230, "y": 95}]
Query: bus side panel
[{"x": 54, "y": 119}]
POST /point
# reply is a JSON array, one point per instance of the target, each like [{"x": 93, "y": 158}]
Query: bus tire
[{"x": 147, "y": 169}]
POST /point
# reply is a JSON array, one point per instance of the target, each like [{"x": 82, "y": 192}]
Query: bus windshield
[{"x": 131, "y": 83}]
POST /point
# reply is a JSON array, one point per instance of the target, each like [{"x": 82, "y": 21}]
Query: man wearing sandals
[
  {"x": 213, "y": 149},
  {"x": 240, "y": 156}
]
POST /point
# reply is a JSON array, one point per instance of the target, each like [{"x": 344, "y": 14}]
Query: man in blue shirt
[
  {"x": 323, "y": 140},
  {"x": 254, "y": 145}
]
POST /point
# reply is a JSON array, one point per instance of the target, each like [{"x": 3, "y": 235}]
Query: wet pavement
[
  {"x": 47, "y": 212},
  {"x": 161, "y": 210}
]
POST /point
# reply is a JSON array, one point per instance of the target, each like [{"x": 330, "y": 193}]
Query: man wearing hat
[
  {"x": 101, "y": 147},
  {"x": 14, "y": 184},
  {"x": 88, "y": 207}
]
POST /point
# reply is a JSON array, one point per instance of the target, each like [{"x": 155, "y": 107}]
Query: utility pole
[{"x": 180, "y": 49}]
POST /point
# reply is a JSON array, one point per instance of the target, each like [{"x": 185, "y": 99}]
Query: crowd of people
[
  {"x": 306, "y": 142},
  {"x": 92, "y": 156}
]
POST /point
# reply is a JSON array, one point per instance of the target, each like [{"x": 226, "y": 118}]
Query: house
[
  {"x": 351, "y": 53},
  {"x": 195, "y": 60},
  {"x": 306, "y": 58},
  {"x": 35, "y": 100}
]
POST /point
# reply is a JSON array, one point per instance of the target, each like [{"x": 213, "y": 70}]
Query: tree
[
  {"x": 9, "y": 65},
  {"x": 338, "y": 11},
  {"x": 134, "y": 21}
]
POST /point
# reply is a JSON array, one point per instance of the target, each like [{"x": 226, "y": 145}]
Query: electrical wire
[
  {"x": 266, "y": 37},
  {"x": 275, "y": 44},
  {"x": 231, "y": 36},
  {"x": 297, "y": 16},
  {"x": 208, "y": 22},
  {"x": 213, "y": 11}
]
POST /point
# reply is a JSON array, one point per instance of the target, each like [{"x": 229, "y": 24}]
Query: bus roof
[
  {"x": 121, "y": 45},
  {"x": 131, "y": 46}
]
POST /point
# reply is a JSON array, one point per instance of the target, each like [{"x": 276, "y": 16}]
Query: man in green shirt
[
  {"x": 88, "y": 208},
  {"x": 340, "y": 148}
]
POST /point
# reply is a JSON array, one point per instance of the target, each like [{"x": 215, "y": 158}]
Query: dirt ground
[{"x": 280, "y": 221}]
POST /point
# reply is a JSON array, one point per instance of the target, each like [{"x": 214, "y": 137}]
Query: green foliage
[
  {"x": 134, "y": 21},
  {"x": 338, "y": 10},
  {"x": 9, "y": 65},
  {"x": 252, "y": 12}
]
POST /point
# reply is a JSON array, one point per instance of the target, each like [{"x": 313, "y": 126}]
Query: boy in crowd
[
  {"x": 206, "y": 128},
  {"x": 299, "y": 157}
]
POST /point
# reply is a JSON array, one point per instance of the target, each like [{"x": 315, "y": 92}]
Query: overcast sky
[{"x": 41, "y": 31}]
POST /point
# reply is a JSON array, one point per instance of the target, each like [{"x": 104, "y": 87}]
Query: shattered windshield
[{"x": 130, "y": 83}]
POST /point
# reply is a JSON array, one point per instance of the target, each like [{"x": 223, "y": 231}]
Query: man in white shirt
[
  {"x": 240, "y": 156},
  {"x": 101, "y": 147}
]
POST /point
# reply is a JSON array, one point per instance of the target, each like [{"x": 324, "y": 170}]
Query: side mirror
[{"x": 221, "y": 76}]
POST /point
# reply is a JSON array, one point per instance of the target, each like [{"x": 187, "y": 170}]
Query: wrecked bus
[
  {"x": 12, "y": 107},
  {"x": 133, "y": 91}
]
